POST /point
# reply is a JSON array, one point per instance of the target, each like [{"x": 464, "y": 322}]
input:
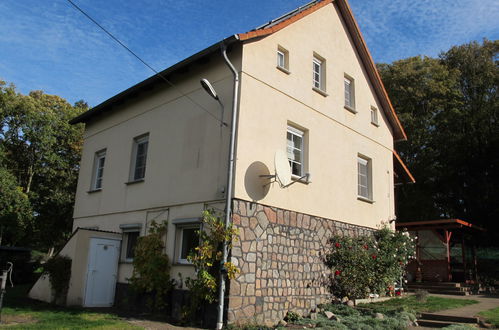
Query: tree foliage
[
  {"x": 449, "y": 108},
  {"x": 41, "y": 150}
]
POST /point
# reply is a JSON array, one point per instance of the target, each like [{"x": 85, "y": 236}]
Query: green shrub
[
  {"x": 367, "y": 264},
  {"x": 421, "y": 295},
  {"x": 58, "y": 268},
  {"x": 292, "y": 317},
  {"x": 151, "y": 267}
]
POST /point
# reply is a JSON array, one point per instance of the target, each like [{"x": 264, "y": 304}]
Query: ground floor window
[{"x": 186, "y": 238}]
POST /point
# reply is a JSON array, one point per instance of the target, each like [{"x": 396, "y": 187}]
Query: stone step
[
  {"x": 438, "y": 284},
  {"x": 449, "y": 318},
  {"x": 434, "y": 323},
  {"x": 428, "y": 287},
  {"x": 453, "y": 293}
]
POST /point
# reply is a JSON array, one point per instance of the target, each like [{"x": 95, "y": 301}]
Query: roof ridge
[{"x": 287, "y": 15}]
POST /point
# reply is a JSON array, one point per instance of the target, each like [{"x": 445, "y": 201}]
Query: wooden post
[
  {"x": 448, "y": 235},
  {"x": 463, "y": 254}
]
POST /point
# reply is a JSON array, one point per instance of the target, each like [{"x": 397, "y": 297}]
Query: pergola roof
[{"x": 437, "y": 224}]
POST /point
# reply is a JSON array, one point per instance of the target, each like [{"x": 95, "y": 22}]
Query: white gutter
[{"x": 230, "y": 184}]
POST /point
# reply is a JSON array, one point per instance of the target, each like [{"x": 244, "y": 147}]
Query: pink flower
[
  {"x": 374, "y": 256},
  {"x": 338, "y": 272},
  {"x": 366, "y": 247},
  {"x": 337, "y": 245}
]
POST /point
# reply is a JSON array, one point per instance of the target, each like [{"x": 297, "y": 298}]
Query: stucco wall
[
  {"x": 272, "y": 99},
  {"x": 186, "y": 159},
  {"x": 76, "y": 249},
  {"x": 279, "y": 254},
  {"x": 187, "y": 152}
]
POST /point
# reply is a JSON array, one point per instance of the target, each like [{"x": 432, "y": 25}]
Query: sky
[{"x": 48, "y": 45}]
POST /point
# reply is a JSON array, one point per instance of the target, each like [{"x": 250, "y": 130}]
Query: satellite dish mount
[{"x": 283, "y": 171}]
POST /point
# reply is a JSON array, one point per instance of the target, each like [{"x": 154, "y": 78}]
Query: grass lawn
[
  {"x": 491, "y": 316},
  {"x": 432, "y": 304},
  {"x": 22, "y": 313}
]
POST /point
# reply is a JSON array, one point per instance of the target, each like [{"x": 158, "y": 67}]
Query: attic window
[
  {"x": 319, "y": 75},
  {"x": 349, "y": 94},
  {"x": 283, "y": 59},
  {"x": 374, "y": 116}
]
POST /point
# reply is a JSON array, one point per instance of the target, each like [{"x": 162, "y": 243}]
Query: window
[
  {"x": 349, "y": 93},
  {"x": 364, "y": 186},
  {"x": 374, "y": 116},
  {"x": 98, "y": 172},
  {"x": 318, "y": 78},
  {"x": 186, "y": 238},
  {"x": 294, "y": 149},
  {"x": 282, "y": 59},
  {"x": 189, "y": 239},
  {"x": 131, "y": 233},
  {"x": 139, "y": 157},
  {"x": 131, "y": 242}
]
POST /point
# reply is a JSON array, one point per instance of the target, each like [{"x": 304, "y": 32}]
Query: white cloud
[{"x": 400, "y": 28}]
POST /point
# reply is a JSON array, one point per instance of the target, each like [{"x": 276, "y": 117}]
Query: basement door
[{"x": 102, "y": 272}]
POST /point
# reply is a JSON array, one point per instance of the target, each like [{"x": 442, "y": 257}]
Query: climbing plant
[
  {"x": 207, "y": 258},
  {"x": 151, "y": 267}
]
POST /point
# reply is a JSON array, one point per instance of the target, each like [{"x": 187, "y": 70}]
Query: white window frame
[
  {"x": 127, "y": 229},
  {"x": 301, "y": 134},
  {"x": 374, "y": 116},
  {"x": 137, "y": 141},
  {"x": 364, "y": 169},
  {"x": 282, "y": 59},
  {"x": 349, "y": 86},
  {"x": 98, "y": 170},
  {"x": 318, "y": 73},
  {"x": 180, "y": 226}
]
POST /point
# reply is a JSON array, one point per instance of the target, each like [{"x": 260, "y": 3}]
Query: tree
[
  {"x": 448, "y": 107},
  {"x": 42, "y": 152},
  {"x": 15, "y": 210}
]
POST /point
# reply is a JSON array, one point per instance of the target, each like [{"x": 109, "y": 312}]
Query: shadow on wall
[{"x": 257, "y": 187}]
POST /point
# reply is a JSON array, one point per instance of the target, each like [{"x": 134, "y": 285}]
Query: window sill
[
  {"x": 127, "y": 261},
  {"x": 375, "y": 124},
  {"x": 364, "y": 199},
  {"x": 94, "y": 191},
  {"x": 299, "y": 179},
  {"x": 352, "y": 110},
  {"x": 134, "y": 182},
  {"x": 320, "y": 91},
  {"x": 183, "y": 264},
  {"x": 286, "y": 71}
]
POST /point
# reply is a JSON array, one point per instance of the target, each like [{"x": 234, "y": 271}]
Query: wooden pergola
[{"x": 442, "y": 266}]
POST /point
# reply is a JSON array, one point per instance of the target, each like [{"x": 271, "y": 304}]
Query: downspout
[{"x": 230, "y": 178}]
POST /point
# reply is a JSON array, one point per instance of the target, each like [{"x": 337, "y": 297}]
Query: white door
[{"x": 102, "y": 272}]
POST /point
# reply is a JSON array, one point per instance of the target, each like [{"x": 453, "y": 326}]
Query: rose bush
[{"x": 367, "y": 264}]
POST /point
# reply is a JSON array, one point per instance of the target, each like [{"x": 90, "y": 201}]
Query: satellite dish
[{"x": 282, "y": 168}]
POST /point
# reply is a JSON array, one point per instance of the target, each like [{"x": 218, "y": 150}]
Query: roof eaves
[
  {"x": 401, "y": 163},
  {"x": 149, "y": 82},
  {"x": 346, "y": 11}
]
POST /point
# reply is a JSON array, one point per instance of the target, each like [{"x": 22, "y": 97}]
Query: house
[{"x": 159, "y": 151}]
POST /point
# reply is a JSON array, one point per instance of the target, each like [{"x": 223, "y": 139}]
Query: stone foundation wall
[{"x": 279, "y": 254}]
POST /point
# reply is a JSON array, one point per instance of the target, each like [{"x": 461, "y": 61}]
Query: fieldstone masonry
[{"x": 279, "y": 254}]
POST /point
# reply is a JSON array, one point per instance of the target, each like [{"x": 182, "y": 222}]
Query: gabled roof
[
  {"x": 262, "y": 31},
  {"x": 360, "y": 45}
]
